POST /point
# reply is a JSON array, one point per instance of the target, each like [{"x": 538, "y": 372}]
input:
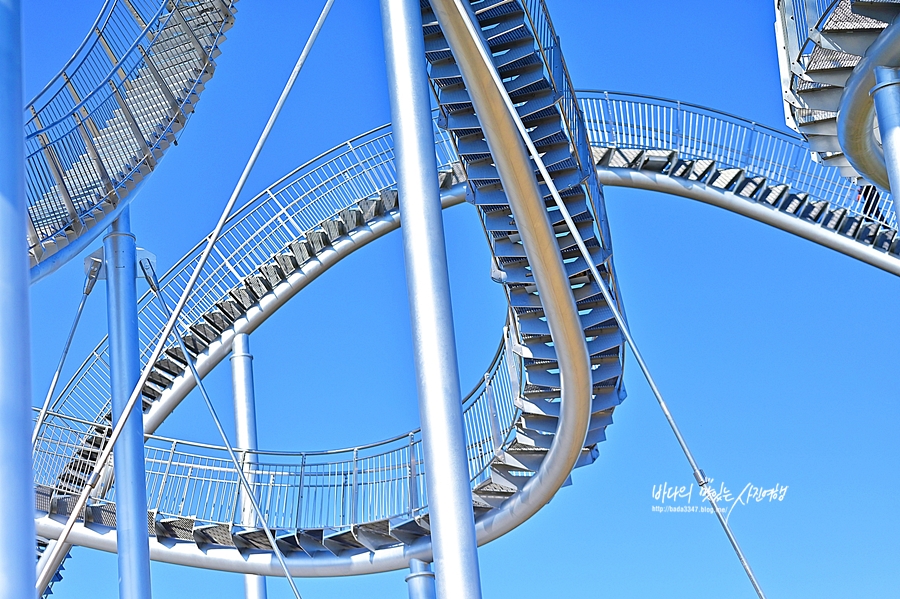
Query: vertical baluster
[
  {"x": 411, "y": 474},
  {"x": 56, "y": 171}
]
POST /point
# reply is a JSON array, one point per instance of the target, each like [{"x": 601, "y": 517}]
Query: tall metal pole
[
  {"x": 420, "y": 580},
  {"x": 120, "y": 254},
  {"x": 428, "y": 283},
  {"x": 886, "y": 95},
  {"x": 18, "y": 546},
  {"x": 245, "y": 427}
]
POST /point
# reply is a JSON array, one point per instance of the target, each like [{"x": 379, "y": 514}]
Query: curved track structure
[
  {"x": 365, "y": 509},
  {"x": 354, "y": 510},
  {"x": 370, "y": 516},
  {"x": 101, "y": 125}
]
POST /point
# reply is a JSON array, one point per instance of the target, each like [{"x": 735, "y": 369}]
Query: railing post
[
  {"x": 245, "y": 426},
  {"x": 89, "y": 131},
  {"x": 174, "y": 104},
  {"x": 428, "y": 284},
  {"x": 496, "y": 433},
  {"x": 133, "y": 126},
  {"x": 354, "y": 489},
  {"x": 113, "y": 59},
  {"x": 412, "y": 477},
  {"x": 124, "y": 371},
  {"x": 56, "y": 171},
  {"x": 165, "y": 477},
  {"x": 17, "y": 548},
  {"x": 95, "y": 158},
  {"x": 299, "y": 519}
]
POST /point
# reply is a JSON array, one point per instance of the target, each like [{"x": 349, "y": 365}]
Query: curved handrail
[
  {"x": 617, "y": 120},
  {"x": 182, "y": 474},
  {"x": 102, "y": 123},
  {"x": 265, "y": 225}
]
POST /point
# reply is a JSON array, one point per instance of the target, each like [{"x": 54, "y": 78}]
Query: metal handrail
[
  {"x": 281, "y": 204},
  {"x": 76, "y": 175},
  {"x": 639, "y": 122},
  {"x": 266, "y": 224},
  {"x": 203, "y": 471}
]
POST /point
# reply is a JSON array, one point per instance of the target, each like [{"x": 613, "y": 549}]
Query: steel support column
[
  {"x": 18, "y": 546},
  {"x": 120, "y": 255},
  {"x": 245, "y": 428},
  {"x": 420, "y": 580},
  {"x": 428, "y": 283},
  {"x": 886, "y": 95}
]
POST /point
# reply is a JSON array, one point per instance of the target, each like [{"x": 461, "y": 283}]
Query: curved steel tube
[
  {"x": 653, "y": 181},
  {"x": 520, "y": 184},
  {"x": 221, "y": 348},
  {"x": 856, "y": 114}
]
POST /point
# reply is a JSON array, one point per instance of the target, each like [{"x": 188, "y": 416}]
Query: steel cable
[{"x": 607, "y": 296}]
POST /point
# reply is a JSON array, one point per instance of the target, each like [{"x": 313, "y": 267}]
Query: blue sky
[{"x": 777, "y": 356}]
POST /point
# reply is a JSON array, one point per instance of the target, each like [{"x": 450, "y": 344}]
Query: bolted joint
[{"x": 700, "y": 477}]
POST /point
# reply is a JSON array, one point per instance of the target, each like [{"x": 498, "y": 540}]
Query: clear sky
[{"x": 778, "y": 357}]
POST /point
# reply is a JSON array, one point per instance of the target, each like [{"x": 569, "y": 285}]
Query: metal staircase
[
  {"x": 365, "y": 508},
  {"x": 827, "y": 53},
  {"x": 739, "y": 165},
  {"x": 296, "y": 229},
  {"x": 101, "y": 125}
]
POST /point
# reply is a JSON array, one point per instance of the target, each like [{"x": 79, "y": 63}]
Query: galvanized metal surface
[{"x": 17, "y": 549}]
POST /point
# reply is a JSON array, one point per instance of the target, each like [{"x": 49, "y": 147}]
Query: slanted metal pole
[
  {"x": 428, "y": 284},
  {"x": 245, "y": 428},
  {"x": 18, "y": 546},
  {"x": 120, "y": 255},
  {"x": 420, "y": 580},
  {"x": 886, "y": 95}
]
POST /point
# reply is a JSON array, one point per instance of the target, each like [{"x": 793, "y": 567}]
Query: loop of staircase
[
  {"x": 102, "y": 124},
  {"x": 370, "y": 501},
  {"x": 294, "y": 231}
]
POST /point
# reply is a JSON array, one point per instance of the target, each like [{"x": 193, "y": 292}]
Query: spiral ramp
[
  {"x": 102, "y": 124},
  {"x": 364, "y": 509}
]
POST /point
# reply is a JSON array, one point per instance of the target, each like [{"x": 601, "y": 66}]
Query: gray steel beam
[
  {"x": 120, "y": 255},
  {"x": 428, "y": 283},
  {"x": 245, "y": 437},
  {"x": 18, "y": 546}
]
